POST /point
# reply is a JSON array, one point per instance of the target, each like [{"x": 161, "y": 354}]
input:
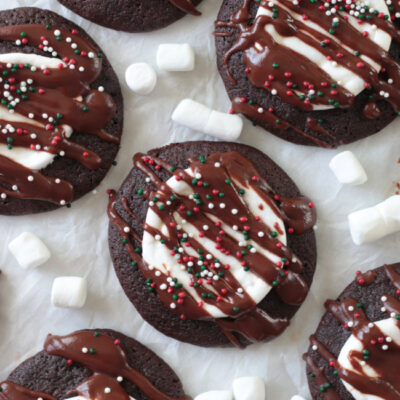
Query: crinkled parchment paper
[{"x": 77, "y": 237}]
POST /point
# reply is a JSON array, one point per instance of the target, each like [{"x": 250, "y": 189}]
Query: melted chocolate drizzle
[
  {"x": 104, "y": 357},
  {"x": 186, "y": 6},
  {"x": 383, "y": 360},
  {"x": 51, "y": 99},
  {"x": 292, "y": 76},
  {"x": 223, "y": 176}
]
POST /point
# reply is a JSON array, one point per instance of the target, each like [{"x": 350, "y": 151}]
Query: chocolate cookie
[
  {"x": 308, "y": 85},
  {"x": 61, "y": 112},
  {"x": 99, "y": 364},
  {"x": 360, "y": 331},
  {"x": 133, "y": 15},
  {"x": 223, "y": 255}
]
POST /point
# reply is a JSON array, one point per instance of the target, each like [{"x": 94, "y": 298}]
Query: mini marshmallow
[
  {"x": 297, "y": 397},
  {"x": 374, "y": 223},
  {"x": 29, "y": 250},
  {"x": 201, "y": 118},
  {"x": 141, "y": 78},
  {"x": 175, "y": 57},
  {"x": 215, "y": 395},
  {"x": 249, "y": 388},
  {"x": 69, "y": 292},
  {"x": 347, "y": 169}
]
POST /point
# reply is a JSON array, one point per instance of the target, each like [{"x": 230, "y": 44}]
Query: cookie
[
  {"x": 227, "y": 252},
  {"x": 133, "y": 15},
  {"x": 61, "y": 112},
  {"x": 99, "y": 364},
  {"x": 358, "y": 334},
  {"x": 300, "y": 70}
]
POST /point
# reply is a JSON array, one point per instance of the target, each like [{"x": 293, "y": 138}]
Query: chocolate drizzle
[
  {"x": 222, "y": 178},
  {"x": 186, "y": 6},
  {"x": 104, "y": 357},
  {"x": 50, "y": 103},
  {"x": 295, "y": 78},
  {"x": 378, "y": 352}
]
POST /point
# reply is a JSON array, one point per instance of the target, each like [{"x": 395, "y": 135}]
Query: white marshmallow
[
  {"x": 141, "y": 78},
  {"x": 297, "y": 397},
  {"x": 347, "y": 169},
  {"x": 69, "y": 292},
  {"x": 375, "y": 222},
  {"x": 249, "y": 388},
  {"x": 201, "y": 118},
  {"x": 215, "y": 395},
  {"x": 175, "y": 57},
  {"x": 29, "y": 250}
]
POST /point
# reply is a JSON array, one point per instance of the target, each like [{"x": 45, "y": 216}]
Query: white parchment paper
[{"x": 77, "y": 237}]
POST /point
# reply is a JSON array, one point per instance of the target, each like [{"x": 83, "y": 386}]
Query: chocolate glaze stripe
[
  {"x": 12, "y": 391},
  {"x": 242, "y": 105},
  {"x": 234, "y": 172},
  {"x": 104, "y": 357},
  {"x": 186, "y": 6},
  {"x": 48, "y": 98},
  {"x": 350, "y": 313}
]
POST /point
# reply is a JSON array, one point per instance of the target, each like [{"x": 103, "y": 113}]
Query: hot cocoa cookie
[
  {"x": 61, "y": 112},
  {"x": 212, "y": 243},
  {"x": 355, "y": 351},
  {"x": 133, "y": 15},
  {"x": 100, "y": 364},
  {"x": 310, "y": 72}
]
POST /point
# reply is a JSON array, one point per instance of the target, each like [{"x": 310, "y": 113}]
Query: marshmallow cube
[
  {"x": 201, "y": 118},
  {"x": 347, "y": 169},
  {"x": 249, "y": 388},
  {"x": 29, "y": 250},
  {"x": 69, "y": 292},
  {"x": 215, "y": 395},
  {"x": 141, "y": 78},
  {"x": 297, "y": 397},
  {"x": 175, "y": 57},
  {"x": 375, "y": 222}
]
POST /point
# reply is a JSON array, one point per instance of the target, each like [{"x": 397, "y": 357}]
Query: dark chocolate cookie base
[
  {"x": 333, "y": 335},
  {"x": 52, "y": 375},
  {"x": 127, "y": 15},
  {"x": 83, "y": 179},
  {"x": 345, "y": 125},
  {"x": 202, "y": 333}
]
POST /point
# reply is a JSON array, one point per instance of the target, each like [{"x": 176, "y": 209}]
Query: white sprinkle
[
  {"x": 30, "y": 178},
  {"x": 234, "y": 211},
  {"x": 100, "y": 89},
  {"x": 383, "y": 298},
  {"x": 222, "y": 205},
  {"x": 120, "y": 378},
  {"x": 3, "y": 196},
  {"x": 235, "y": 227},
  {"x": 158, "y": 273},
  {"x": 31, "y": 115},
  {"x": 385, "y": 347},
  {"x": 62, "y": 153},
  {"x": 15, "y": 188},
  {"x": 315, "y": 347},
  {"x": 253, "y": 250},
  {"x": 389, "y": 339},
  {"x": 260, "y": 110},
  {"x": 210, "y": 205},
  {"x": 57, "y": 32},
  {"x": 217, "y": 164},
  {"x": 350, "y": 324},
  {"x": 351, "y": 308},
  {"x": 163, "y": 286},
  {"x": 260, "y": 234},
  {"x": 63, "y": 202},
  {"x": 58, "y": 180},
  {"x": 126, "y": 229},
  {"x": 107, "y": 390},
  {"x": 240, "y": 290},
  {"x": 172, "y": 305},
  {"x": 85, "y": 350}
]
